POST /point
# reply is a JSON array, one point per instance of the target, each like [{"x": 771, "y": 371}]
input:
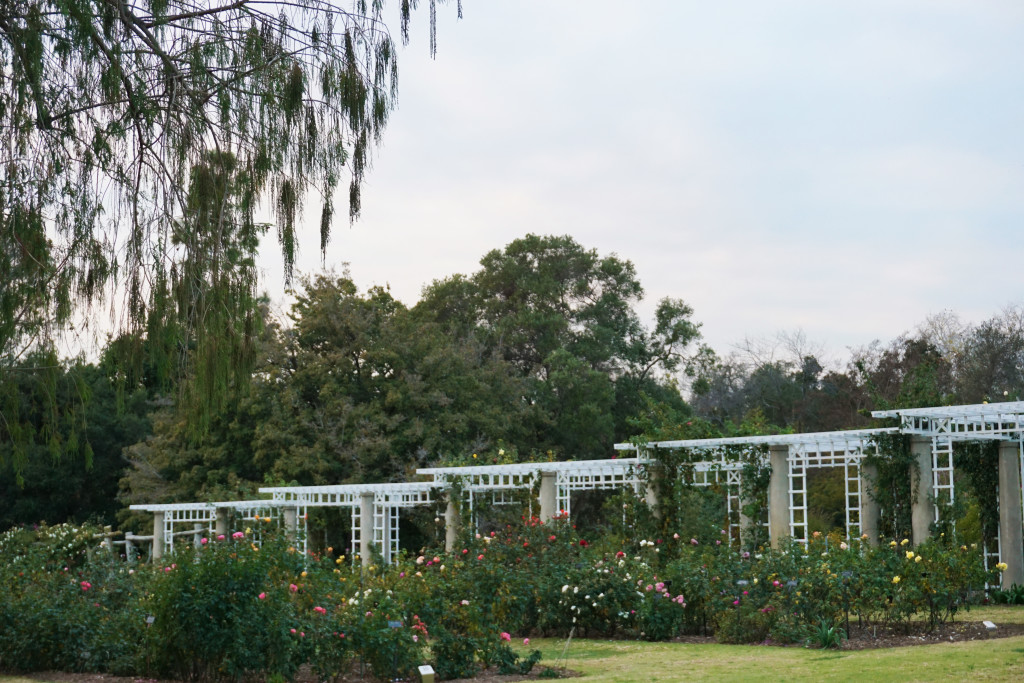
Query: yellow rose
[
  {"x": 910, "y": 554},
  {"x": 917, "y": 559},
  {"x": 895, "y": 579},
  {"x": 905, "y": 541},
  {"x": 1001, "y": 566},
  {"x": 892, "y": 544}
]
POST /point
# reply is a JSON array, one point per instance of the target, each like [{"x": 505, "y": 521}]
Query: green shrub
[{"x": 226, "y": 610}]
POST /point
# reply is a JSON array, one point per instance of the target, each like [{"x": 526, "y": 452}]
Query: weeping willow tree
[{"x": 138, "y": 139}]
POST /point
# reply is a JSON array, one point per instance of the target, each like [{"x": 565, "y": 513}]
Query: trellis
[
  {"x": 949, "y": 424},
  {"x": 379, "y": 502},
  {"x": 575, "y": 475},
  {"x": 791, "y": 455},
  {"x": 805, "y": 451},
  {"x": 203, "y": 517}
]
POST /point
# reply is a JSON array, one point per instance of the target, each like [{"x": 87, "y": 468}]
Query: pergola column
[
  {"x": 548, "y": 496},
  {"x": 651, "y": 490},
  {"x": 870, "y": 513},
  {"x": 1011, "y": 536},
  {"x": 366, "y": 510},
  {"x": 452, "y": 522},
  {"x": 158, "y": 536},
  {"x": 778, "y": 495},
  {"x": 922, "y": 512},
  {"x": 291, "y": 522},
  {"x": 220, "y": 526}
]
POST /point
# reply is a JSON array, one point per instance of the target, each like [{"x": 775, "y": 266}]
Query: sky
[{"x": 842, "y": 169}]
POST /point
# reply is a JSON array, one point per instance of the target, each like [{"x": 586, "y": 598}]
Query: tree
[
  {"x": 357, "y": 390},
  {"x": 990, "y": 366},
  {"x": 909, "y": 373},
  {"x": 110, "y": 107},
  {"x": 72, "y": 466},
  {"x": 564, "y": 317}
]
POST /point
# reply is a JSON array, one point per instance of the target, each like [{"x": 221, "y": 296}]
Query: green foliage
[
  {"x": 62, "y": 609},
  {"x": 229, "y": 609},
  {"x": 977, "y": 468},
  {"x": 1014, "y": 595},
  {"x": 509, "y": 661},
  {"x": 825, "y": 635},
  {"x": 74, "y": 475},
  {"x": 359, "y": 390},
  {"x": 563, "y": 318},
  {"x": 209, "y": 619},
  {"x": 363, "y": 389},
  {"x": 895, "y": 470},
  {"x": 143, "y": 136}
]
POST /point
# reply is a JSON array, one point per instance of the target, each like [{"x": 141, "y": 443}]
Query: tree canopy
[{"x": 140, "y": 138}]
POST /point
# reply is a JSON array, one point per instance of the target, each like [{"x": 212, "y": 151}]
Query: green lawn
[{"x": 990, "y": 660}]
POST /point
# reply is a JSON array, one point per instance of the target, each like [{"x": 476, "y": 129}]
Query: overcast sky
[{"x": 842, "y": 168}]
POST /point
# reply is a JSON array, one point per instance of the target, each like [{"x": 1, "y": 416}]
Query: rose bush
[{"x": 233, "y": 608}]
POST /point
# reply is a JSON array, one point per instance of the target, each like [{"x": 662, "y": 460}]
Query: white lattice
[{"x": 942, "y": 472}]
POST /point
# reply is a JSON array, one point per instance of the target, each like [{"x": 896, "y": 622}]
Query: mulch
[{"x": 874, "y": 637}]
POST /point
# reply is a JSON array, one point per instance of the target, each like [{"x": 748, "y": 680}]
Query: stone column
[
  {"x": 870, "y": 514},
  {"x": 922, "y": 513},
  {"x": 452, "y": 523},
  {"x": 158, "y": 536},
  {"x": 778, "y": 495},
  {"x": 220, "y": 526},
  {"x": 366, "y": 510},
  {"x": 548, "y": 495},
  {"x": 291, "y": 522},
  {"x": 651, "y": 490},
  {"x": 1011, "y": 535}
]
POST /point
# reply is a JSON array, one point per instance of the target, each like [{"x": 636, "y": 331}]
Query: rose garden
[{"x": 255, "y": 595}]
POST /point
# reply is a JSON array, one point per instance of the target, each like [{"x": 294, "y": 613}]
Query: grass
[
  {"x": 626, "y": 661},
  {"x": 622, "y": 661}
]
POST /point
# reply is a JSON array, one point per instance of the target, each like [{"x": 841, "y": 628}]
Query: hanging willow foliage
[{"x": 123, "y": 121}]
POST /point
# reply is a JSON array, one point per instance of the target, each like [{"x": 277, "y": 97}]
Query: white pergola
[
  {"x": 377, "y": 502},
  {"x": 804, "y": 451},
  {"x": 567, "y": 476},
  {"x": 169, "y": 518},
  {"x": 718, "y": 462},
  {"x": 936, "y": 429}
]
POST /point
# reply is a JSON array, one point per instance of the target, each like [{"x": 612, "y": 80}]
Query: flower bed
[{"x": 232, "y": 609}]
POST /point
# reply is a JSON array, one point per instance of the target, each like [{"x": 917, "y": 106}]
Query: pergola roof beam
[{"x": 840, "y": 440}]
